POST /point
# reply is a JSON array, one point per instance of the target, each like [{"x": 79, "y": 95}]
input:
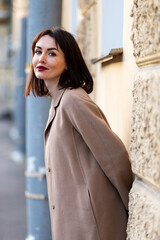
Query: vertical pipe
[
  {"x": 19, "y": 38},
  {"x": 19, "y": 154},
  {"x": 42, "y": 14}
]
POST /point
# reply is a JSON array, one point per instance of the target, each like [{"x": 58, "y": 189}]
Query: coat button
[
  {"x": 53, "y": 207},
  {"x": 49, "y": 170}
]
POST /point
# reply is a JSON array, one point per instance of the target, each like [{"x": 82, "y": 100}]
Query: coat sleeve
[{"x": 107, "y": 148}]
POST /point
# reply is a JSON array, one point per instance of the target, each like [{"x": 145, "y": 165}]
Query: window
[
  {"x": 112, "y": 25},
  {"x": 74, "y": 21}
]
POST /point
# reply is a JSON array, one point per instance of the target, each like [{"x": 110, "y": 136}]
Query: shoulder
[
  {"x": 77, "y": 100},
  {"x": 76, "y": 95}
]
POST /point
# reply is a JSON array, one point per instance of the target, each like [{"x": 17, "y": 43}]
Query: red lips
[{"x": 41, "y": 68}]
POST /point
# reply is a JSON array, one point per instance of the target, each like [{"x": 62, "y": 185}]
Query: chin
[{"x": 39, "y": 75}]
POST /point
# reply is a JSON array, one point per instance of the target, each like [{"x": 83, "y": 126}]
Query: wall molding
[
  {"x": 146, "y": 32},
  {"x": 148, "y": 60}
]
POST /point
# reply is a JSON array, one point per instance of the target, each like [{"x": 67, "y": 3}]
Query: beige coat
[{"x": 88, "y": 171}]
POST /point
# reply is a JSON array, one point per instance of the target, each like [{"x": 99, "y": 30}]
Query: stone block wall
[
  {"x": 144, "y": 216},
  {"x": 144, "y": 205},
  {"x": 87, "y": 31}
]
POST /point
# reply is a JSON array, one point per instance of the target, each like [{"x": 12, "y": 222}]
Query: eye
[
  {"x": 37, "y": 52},
  {"x": 52, "y": 54}
]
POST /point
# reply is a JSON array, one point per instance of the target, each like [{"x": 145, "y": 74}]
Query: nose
[{"x": 42, "y": 58}]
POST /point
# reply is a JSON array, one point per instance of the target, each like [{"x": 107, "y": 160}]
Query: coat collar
[
  {"x": 57, "y": 96},
  {"x": 55, "y": 102}
]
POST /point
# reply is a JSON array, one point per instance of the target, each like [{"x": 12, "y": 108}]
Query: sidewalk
[{"x": 12, "y": 187}]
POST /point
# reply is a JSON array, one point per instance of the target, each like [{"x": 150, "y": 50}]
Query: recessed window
[{"x": 112, "y": 25}]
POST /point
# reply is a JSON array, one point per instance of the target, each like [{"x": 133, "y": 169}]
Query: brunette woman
[{"x": 87, "y": 166}]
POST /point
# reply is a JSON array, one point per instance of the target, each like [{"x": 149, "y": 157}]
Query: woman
[{"x": 88, "y": 170}]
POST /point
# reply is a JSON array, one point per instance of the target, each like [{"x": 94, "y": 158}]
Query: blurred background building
[
  {"x": 120, "y": 41},
  {"x": 6, "y": 67}
]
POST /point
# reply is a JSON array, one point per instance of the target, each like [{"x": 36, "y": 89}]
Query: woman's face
[{"x": 48, "y": 60}]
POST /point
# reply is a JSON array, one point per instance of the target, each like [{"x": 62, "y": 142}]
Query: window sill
[{"x": 114, "y": 54}]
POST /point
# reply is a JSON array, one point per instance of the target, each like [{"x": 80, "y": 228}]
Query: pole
[
  {"x": 19, "y": 38},
  {"x": 42, "y": 14}
]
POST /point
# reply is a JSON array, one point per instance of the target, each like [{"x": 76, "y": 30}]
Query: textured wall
[
  {"x": 144, "y": 217},
  {"x": 87, "y": 31},
  {"x": 144, "y": 205},
  {"x": 146, "y": 31},
  {"x": 145, "y": 138}
]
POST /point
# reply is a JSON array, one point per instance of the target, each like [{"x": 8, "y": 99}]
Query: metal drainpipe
[
  {"x": 42, "y": 14},
  {"x": 19, "y": 18}
]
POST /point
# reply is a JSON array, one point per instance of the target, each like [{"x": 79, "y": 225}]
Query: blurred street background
[
  {"x": 12, "y": 185},
  {"x": 12, "y": 180},
  {"x": 24, "y": 210}
]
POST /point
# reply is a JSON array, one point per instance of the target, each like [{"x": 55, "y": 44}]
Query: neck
[{"x": 51, "y": 86}]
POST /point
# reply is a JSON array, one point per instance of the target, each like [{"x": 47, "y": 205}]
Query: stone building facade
[
  {"x": 144, "y": 206},
  {"x": 6, "y": 69}
]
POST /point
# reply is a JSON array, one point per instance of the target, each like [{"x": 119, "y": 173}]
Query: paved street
[{"x": 12, "y": 187}]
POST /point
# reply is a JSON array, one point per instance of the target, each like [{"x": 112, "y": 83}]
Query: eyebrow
[{"x": 47, "y": 49}]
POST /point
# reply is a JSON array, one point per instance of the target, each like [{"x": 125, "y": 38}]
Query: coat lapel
[{"x": 54, "y": 104}]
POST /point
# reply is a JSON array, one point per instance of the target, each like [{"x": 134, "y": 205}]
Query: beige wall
[
  {"x": 19, "y": 11},
  {"x": 115, "y": 83},
  {"x": 66, "y": 14}
]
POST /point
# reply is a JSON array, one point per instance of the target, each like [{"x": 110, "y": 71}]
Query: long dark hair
[{"x": 77, "y": 73}]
